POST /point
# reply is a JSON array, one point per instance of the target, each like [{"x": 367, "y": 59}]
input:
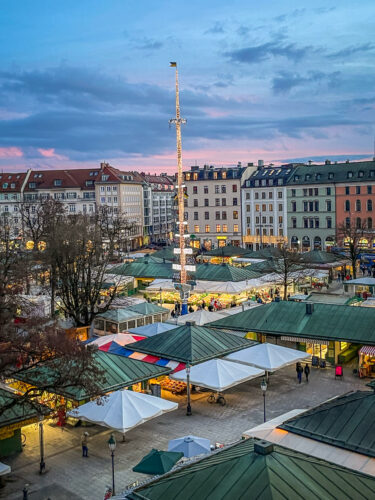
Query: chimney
[
  {"x": 263, "y": 447},
  {"x": 309, "y": 307},
  {"x": 260, "y": 163},
  {"x": 347, "y": 161},
  {"x": 328, "y": 162},
  {"x": 252, "y": 164},
  {"x": 310, "y": 162}
]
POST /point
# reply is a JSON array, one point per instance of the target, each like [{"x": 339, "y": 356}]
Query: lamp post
[
  {"x": 161, "y": 301},
  {"x": 263, "y": 386},
  {"x": 42, "y": 464},
  {"x": 112, "y": 447},
  {"x": 188, "y": 409}
]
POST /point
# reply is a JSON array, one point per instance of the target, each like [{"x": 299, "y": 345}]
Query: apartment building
[
  {"x": 122, "y": 193},
  {"x": 264, "y": 206},
  {"x": 312, "y": 207},
  {"x": 12, "y": 186},
  {"x": 213, "y": 204}
]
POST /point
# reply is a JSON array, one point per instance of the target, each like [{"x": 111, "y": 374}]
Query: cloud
[
  {"x": 351, "y": 50},
  {"x": 285, "y": 81},
  {"x": 265, "y": 51},
  {"x": 50, "y": 153},
  {"x": 11, "y": 152},
  {"x": 216, "y": 29},
  {"x": 149, "y": 44}
]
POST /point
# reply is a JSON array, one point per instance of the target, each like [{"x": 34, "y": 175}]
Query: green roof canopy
[
  {"x": 166, "y": 253},
  {"x": 263, "y": 253},
  {"x": 145, "y": 269},
  {"x": 119, "y": 372},
  {"x": 190, "y": 344},
  {"x": 327, "y": 321},
  {"x": 320, "y": 257},
  {"x": 146, "y": 308},
  {"x": 227, "y": 251},
  {"x": 158, "y": 462},
  {"x": 119, "y": 315},
  {"x": 251, "y": 469},
  {"x": 346, "y": 422},
  {"x": 20, "y": 411}
]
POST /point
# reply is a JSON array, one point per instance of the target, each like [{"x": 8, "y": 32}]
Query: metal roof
[
  {"x": 118, "y": 372},
  {"x": 146, "y": 308},
  {"x": 320, "y": 257},
  {"x": 190, "y": 344},
  {"x": 243, "y": 471},
  {"x": 327, "y": 321},
  {"x": 226, "y": 251},
  {"x": 119, "y": 315},
  {"x": 346, "y": 422},
  {"x": 18, "y": 412}
]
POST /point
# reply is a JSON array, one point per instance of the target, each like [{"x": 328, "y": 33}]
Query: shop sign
[{"x": 8, "y": 430}]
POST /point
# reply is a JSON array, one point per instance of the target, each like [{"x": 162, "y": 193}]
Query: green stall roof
[
  {"x": 320, "y": 257},
  {"x": 145, "y": 269},
  {"x": 264, "y": 253},
  {"x": 190, "y": 344},
  {"x": 327, "y": 321},
  {"x": 146, "y": 308},
  {"x": 119, "y": 315},
  {"x": 252, "y": 470},
  {"x": 346, "y": 422},
  {"x": 119, "y": 372},
  {"x": 20, "y": 411},
  {"x": 227, "y": 251}
]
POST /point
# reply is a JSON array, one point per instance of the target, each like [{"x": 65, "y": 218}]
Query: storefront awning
[
  {"x": 367, "y": 349},
  {"x": 306, "y": 341}
]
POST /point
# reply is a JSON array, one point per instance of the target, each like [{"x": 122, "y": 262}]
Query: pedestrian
[
  {"x": 84, "y": 441},
  {"x": 191, "y": 310},
  {"x": 299, "y": 371},
  {"x": 203, "y": 304},
  {"x": 307, "y": 372},
  {"x": 173, "y": 314}
]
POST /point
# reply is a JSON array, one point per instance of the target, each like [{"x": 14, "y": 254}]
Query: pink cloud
[
  {"x": 11, "y": 152},
  {"x": 50, "y": 153}
]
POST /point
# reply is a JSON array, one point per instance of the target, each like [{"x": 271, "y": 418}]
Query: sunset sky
[{"x": 89, "y": 80}]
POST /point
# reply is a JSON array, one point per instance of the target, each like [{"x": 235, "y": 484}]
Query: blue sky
[{"x": 82, "y": 82}]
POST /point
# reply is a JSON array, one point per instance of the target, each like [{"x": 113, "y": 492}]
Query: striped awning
[
  {"x": 367, "y": 349},
  {"x": 306, "y": 341}
]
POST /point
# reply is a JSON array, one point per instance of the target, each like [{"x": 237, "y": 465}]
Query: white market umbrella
[
  {"x": 201, "y": 317},
  {"x": 119, "y": 338},
  {"x": 190, "y": 445},
  {"x": 152, "y": 329},
  {"x": 269, "y": 357},
  {"x": 4, "y": 469},
  {"x": 219, "y": 374},
  {"x": 123, "y": 410}
]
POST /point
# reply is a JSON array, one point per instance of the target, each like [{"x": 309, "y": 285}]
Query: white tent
[
  {"x": 218, "y": 374},
  {"x": 201, "y": 317},
  {"x": 119, "y": 338},
  {"x": 4, "y": 469},
  {"x": 123, "y": 410},
  {"x": 269, "y": 357},
  {"x": 152, "y": 329}
]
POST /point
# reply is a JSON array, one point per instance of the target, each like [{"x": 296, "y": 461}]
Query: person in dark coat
[
  {"x": 299, "y": 371},
  {"x": 307, "y": 372},
  {"x": 191, "y": 310}
]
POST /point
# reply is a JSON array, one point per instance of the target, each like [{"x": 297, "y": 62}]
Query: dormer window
[
  {"x": 32, "y": 185},
  {"x": 12, "y": 186},
  {"x": 89, "y": 183},
  {"x": 360, "y": 173},
  {"x": 105, "y": 177},
  {"x": 318, "y": 176},
  {"x": 296, "y": 177},
  {"x": 57, "y": 182},
  {"x": 5, "y": 185},
  {"x": 330, "y": 175},
  {"x": 349, "y": 175},
  {"x": 307, "y": 177}
]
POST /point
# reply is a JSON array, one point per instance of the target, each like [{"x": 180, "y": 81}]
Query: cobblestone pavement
[{"x": 69, "y": 476}]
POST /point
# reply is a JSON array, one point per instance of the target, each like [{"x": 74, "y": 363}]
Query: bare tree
[{"x": 350, "y": 234}]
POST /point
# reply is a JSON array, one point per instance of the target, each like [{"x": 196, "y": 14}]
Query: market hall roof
[
  {"x": 258, "y": 469},
  {"x": 346, "y": 422},
  {"x": 326, "y": 321},
  {"x": 226, "y": 251},
  {"x": 119, "y": 372},
  {"x": 206, "y": 272},
  {"x": 320, "y": 257},
  {"x": 18, "y": 411},
  {"x": 190, "y": 344}
]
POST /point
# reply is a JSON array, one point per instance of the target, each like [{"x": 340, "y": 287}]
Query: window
[
  {"x": 296, "y": 177},
  {"x": 305, "y": 206},
  {"x": 305, "y": 192},
  {"x": 225, "y": 228},
  {"x": 186, "y": 215},
  {"x": 347, "y": 222},
  {"x": 271, "y": 220},
  {"x": 235, "y": 214},
  {"x": 369, "y": 205},
  {"x": 310, "y": 191},
  {"x": 217, "y": 215},
  {"x": 195, "y": 215},
  {"x": 224, "y": 202},
  {"x": 311, "y": 206},
  {"x": 218, "y": 228},
  {"x": 294, "y": 206},
  {"x": 263, "y": 195},
  {"x": 318, "y": 177},
  {"x": 349, "y": 175},
  {"x": 305, "y": 222},
  {"x": 109, "y": 189},
  {"x": 195, "y": 178},
  {"x": 32, "y": 185},
  {"x": 328, "y": 205},
  {"x": 347, "y": 190},
  {"x": 235, "y": 202},
  {"x": 215, "y": 175},
  {"x": 195, "y": 202},
  {"x": 372, "y": 173},
  {"x": 358, "y": 223},
  {"x": 280, "y": 194},
  {"x": 234, "y": 188},
  {"x": 329, "y": 222},
  {"x": 264, "y": 208},
  {"x": 206, "y": 215},
  {"x": 307, "y": 177},
  {"x": 6, "y": 208},
  {"x": 347, "y": 206},
  {"x": 264, "y": 220},
  {"x": 105, "y": 177},
  {"x": 235, "y": 228},
  {"x": 195, "y": 189},
  {"x": 248, "y": 196},
  {"x": 280, "y": 207},
  {"x": 281, "y": 232},
  {"x": 72, "y": 208},
  {"x": 316, "y": 223},
  {"x": 358, "y": 205},
  {"x": 217, "y": 188},
  {"x": 270, "y": 208},
  {"x": 223, "y": 189},
  {"x": 256, "y": 195},
  {"x": 369, "y": 189},
  {"x": 196, "y": 229},
  {"x": 205, "y": 189},
  {"x": 369, "y": 223},
  {"x": 247, "y": 208},
  {"x": 57, "y": 182},
  {"x": 224, "y": 215},
  {"x": 360, "y": 173},
  {"x": 248, "y": 220},
  {"x": 206, "y": 202},
  {"x": 270, "y": 195},
  {"x": 316, "y": 192},
  {"x": 257, "y": 208},
  {"x": 271, "y": 231},
  {"x": 217, "y": 202},
  {"x": 102, "y": 199},
  {"x": 358, "y": 190},
  {"x": 223, "y": 175},
  {"x": 328, "y": 191},
  {"x": 293, "y": 193},
  {"x": 331, "y": 175},
  {"x": 207, "y": 228},
  {"x": 280, "y": 219},
  {"x": 311, "y": 223},
  {"x": 102, "y": 189},
  {"x": 257, "y": 220},
  {"x": 316, "y": 206}
]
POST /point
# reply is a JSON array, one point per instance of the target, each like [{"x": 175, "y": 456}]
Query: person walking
[
  {"x": 307, "y": 372},
  {"x": 84, "y": 441},
  {"x": 299, "y": 371}
]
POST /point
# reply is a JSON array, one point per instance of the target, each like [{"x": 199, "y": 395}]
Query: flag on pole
[{"x": 173, "y": 64}]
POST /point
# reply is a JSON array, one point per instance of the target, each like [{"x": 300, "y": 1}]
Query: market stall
[{"x": 367, "y": 361}]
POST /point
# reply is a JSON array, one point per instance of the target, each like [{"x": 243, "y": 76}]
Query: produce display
[{"x": 173, "y": 386}]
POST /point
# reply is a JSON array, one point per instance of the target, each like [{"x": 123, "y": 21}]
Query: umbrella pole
[
  {"x": 188, "y": 409},
  {"x": 123, "y": 437}
]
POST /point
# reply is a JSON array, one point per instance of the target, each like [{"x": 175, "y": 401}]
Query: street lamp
[
  {"x": 188, "y": 409},
  {"x": 161, "y": 300},
  {"x": 263, "y": 386},
  {"x": 42, "y": 464},
  {"x": 112, "y": 447}
]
